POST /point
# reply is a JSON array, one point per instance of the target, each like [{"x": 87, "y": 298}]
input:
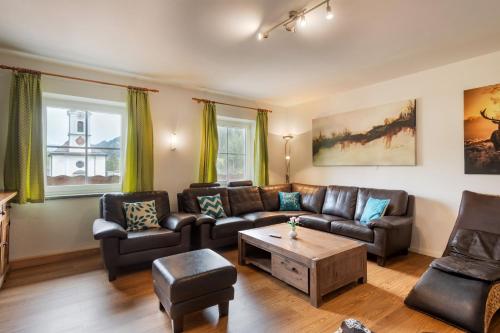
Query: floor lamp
[{"x": 287, "y": 138}]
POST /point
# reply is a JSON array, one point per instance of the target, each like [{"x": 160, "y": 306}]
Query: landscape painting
[
  {"x": 382, "y": 135},
  {"x": 482, "y": 130}
]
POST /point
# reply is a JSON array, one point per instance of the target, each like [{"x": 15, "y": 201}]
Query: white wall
[
  {"x": 66, "y": 225},
  {"x": 438, "y": 179}
]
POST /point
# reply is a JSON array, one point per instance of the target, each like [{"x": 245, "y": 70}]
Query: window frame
[
  {"x": 249, "y": 126},
  {"x": 84, "y": 104}
]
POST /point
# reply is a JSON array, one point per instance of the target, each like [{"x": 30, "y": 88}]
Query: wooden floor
[{"x": 77, "y": 297}]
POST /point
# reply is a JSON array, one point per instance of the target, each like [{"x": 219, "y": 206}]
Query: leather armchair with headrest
[{"x": 120, "y": 248}]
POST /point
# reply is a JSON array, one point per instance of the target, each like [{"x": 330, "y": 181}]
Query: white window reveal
[
  {"x": 84, "y": 145},
  {"x": 235, "y": 156}
]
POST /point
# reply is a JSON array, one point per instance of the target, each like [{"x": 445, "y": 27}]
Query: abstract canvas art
[
  {"x": 482, "y": 130},
  {"x": 381, "y": 135}
]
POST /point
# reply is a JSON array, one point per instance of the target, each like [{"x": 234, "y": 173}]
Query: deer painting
[{"x": 495, "y": 136}]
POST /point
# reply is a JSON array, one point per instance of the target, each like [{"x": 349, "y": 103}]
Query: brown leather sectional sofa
[{"x": 334, "y": 209}]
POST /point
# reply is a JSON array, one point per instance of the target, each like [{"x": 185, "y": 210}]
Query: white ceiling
[{"x": 211, "y": 44}]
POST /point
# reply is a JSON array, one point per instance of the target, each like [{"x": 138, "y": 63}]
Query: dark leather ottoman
[{"x": 192, "y": 281}]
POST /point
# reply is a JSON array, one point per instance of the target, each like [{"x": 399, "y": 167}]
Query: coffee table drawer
[{"x": 290, "y": 272}]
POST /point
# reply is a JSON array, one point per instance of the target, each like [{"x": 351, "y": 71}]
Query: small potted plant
[{"x": 294, "y": 222}]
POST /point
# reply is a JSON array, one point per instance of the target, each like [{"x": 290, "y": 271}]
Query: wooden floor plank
[{"x": 75, "y": 296}]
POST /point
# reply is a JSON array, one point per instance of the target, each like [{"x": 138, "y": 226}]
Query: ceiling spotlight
[
  {"x": 290, "y": 27},
  {"x": 261, "y": 36},
  {"x": 302, "y": 20},
  {"x": 329, "y": 12}
]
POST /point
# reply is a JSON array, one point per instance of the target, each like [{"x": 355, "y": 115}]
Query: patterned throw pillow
[
  {"x": 212, "y": 205},
  {"x": 289, "y": 200},
  {"x": 141, "y": 215}
]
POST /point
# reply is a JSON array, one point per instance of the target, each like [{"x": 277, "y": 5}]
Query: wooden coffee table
[{"x": 316, "y": 263}]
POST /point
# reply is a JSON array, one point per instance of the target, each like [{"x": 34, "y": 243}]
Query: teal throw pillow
[
  {"x": 374, "y": 209},
  {"x": 212, "y": 205},
  {"x": 289, "y": 200},
  {"x": 141, "y": 215}
]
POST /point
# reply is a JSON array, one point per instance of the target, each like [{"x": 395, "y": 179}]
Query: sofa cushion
[
  {"x": 289, "y": 200},
  {"x": 262, "y": 219},
  {"x": 140, "y": 215},
  {"x": 229, "y": 227},
  {"x": 211, "y": 205},
  {"x": 293, "y": 213},
  {"x": 112, "y": 205},
  {"x": 476, "y": 244},
  {"x": 270, "y": 197},
  {"x": 397, "y": 205},
  {"x": 190, "y": 201},
  {"x": 352, "y": 229},
  {"x": 149, "y": 239},
  {"x": 311, "y": 196},
  {"x": 340, "y": 201},
  {"x": 486, "y": 270},
  {"x": 245, "y": 200},
  {"x": 318, "y": 221}
]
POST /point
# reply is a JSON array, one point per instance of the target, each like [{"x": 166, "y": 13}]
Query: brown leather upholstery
[
  {"x": 240, "y": 183},
  {"x": 262, "y": 219},
  {"x": 192, "y": 281},
  {"x": 397, "y": 205},
  {"x": 201, "y": 185},
  {"x": 245, "y": 200},
  {"x": 352, "y": 229},
  {"x": 120, "y": 248},
  {"x": 270, "y": 197},
  {"x": 457, "y": 286},
  {"x": 112, "y": 205},
  {"x": 311, "y": 196},
  {"x": 149, "y": 239},
  {"x": 190, "y": 199},
  {"x": 318, "y": 221},
  {"x": 229, "y": 227},
  {"x": 340, "y": 201}
]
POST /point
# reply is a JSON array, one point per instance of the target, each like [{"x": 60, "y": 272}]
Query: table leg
[
  {"x": 314, "y": 287},
  {"x": 241, "y": 250}
]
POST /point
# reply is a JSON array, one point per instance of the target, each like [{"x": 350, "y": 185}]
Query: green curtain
[
  {"x": 139, "y": 164},
  {"x": 261, "y": 155},
  {"x": 23, "y": 170},
  {"x": 209, "y": 145}
]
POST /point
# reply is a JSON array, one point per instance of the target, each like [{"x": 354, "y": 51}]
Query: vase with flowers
[{"x": 294, "y": 222}]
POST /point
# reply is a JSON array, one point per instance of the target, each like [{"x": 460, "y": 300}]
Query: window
[
  {"x": 84, "y": 145},
  {"x": 235, "y": 158}
]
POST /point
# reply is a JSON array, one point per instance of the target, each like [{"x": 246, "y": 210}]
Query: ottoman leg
[
  {"x": 177, "y": 324},
  {"x": 223, "y": 309},
  {"x": 162, "y": 308}
]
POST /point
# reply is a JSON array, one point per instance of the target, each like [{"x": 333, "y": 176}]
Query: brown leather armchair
[
  {"x": 463, "y": 286},
  {"x": 120, "y": 248}
]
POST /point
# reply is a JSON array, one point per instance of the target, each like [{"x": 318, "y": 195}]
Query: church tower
[{"x": 77, "y": 127}]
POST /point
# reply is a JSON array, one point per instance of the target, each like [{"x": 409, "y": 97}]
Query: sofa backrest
[
  {"x": 311, "y": 196},
  {"x": 340, "y": 201},
  {"x": 477, "y": 212},
  {"x": 397, "y": 205},
  {"x": 269, "y": 195},
  {"x": 112, "y": 205},
  {"x": 244, "y": 200},
  {"x": 190, "y": 198}
]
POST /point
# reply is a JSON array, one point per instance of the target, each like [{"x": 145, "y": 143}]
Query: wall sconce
[
  {"x": 288, "y": 150},
  {"x": 173, "y": 141}
]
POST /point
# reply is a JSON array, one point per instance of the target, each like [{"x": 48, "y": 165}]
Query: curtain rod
[
  {"x": 19, "y": 69},
  {"x": 201, "y": 100}
]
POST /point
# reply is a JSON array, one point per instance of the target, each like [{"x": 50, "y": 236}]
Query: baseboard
[
  {"x": 49, "y": 259},
  {"x": 427, "y": 252}
]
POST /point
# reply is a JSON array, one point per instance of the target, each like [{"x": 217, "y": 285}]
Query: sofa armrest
[
  {"x": 106, "y": 229},
  {"x": 391, "y": 222},
  {"x": 176, "y": 221},
  {"x": 204, "y": 219}
]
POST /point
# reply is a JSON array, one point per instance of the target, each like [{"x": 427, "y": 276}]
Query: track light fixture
[{"x": 297, "y": 18}]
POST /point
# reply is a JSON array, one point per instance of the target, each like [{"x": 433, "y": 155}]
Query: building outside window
[
  {"x": 83, "y": 144},
  {"x": 235, "y": 156}
]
